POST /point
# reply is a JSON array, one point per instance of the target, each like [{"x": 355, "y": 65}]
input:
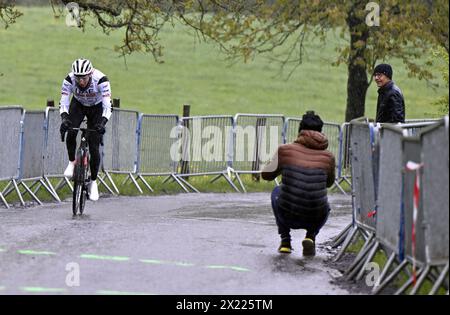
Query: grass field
[{"x": 37, "y": 51}]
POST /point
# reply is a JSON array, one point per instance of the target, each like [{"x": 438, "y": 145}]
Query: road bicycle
[{"x": 81, "y": 175}]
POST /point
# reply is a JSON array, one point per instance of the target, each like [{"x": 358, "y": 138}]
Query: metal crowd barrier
[
  {"x": 10, "y": 141},
  {"x": 264, "y": 133},
  {"x": 423, "y": 226},
  {"x": 120, "y": 148},
  {"x": 410, "y": 233},
  {"x": 345, "y": 170},
  {"x": 55, "y": 153},
  {"x": 435, "y": 200},
  {"x": 364, "y": 160},
  {"x": 207, "y": 143},
  {"x": 159, "y": 149},
  {"x": 331, "y": 130}
]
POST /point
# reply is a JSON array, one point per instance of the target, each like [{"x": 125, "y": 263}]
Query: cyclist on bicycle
[{"x": 91, "y": 98}]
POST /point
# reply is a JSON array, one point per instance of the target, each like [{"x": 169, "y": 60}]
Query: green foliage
[
  {"x": 41, "y": 48},
  {"x": 442, "y": 55},
  {"x": 8, "y": 14}
]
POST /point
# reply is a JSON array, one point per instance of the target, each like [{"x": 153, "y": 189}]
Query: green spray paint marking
[
  {"x": 162, "y": 262},
  {"x": 184, "y": 264},
  {"x": 42, "y": 290},
  {"x": 106, "y": 292},
  {"x": 34, "y": 252},
  {"x": 98, "y": 257},
  {"x": 153, "y": 261},
  {"x": 227, "y": 267}
]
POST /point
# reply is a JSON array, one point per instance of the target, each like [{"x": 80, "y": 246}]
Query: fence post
[
  {"x": 116, "y": 103},
  {"x": 184, "y": 163}
]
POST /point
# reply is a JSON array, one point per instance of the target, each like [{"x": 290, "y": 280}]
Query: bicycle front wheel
[
  {"x": 77, "y": 198},
  {"x": 83, "y": 198}
]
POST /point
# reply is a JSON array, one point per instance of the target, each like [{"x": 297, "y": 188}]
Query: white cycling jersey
[{"x": 98, "y": 91}]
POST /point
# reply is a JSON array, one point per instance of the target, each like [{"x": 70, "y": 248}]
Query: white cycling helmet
[{"x": 82, "y": 67}]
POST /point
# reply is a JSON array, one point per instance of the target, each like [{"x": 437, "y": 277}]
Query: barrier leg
[
  {"x": 368, "y": 260},
  {"x": 49, "y": 190},
  {"x": 347, "y": 242},
  {"x": 180, "y": 183},
  {"x": 112, "y": 182},
  {"x": 385, "y": 271},
  {"x": 60, "y": 184},
  {"x": 31, "y": 193},
  {"x": 391, "y": 277},
  {"x": 338, "y": 239},
  {"x": 186, "y": 183},
  {"x": 240, "y": 182},
  {"x": 7, "y": 190},
  {"x": 439, "y": 280},
  {"x": 4, "y": 200},
  {"x": 359, "y": 260},
  {"x": 146, "y": 184},
  {"x": 68, "y": 183},
  {"x": 215, "y": 178},
  {"x": 167, "y": 179},
  {"x": 421, "y": 279},
  {"x": 337, "y": 184},
  {"x": 361, "y": 254},
  {"x": 230, "y": 182},
  {"x": 16, "y": 187},
  {"x": 135, "y": 183},
  {"x": 37, "y": 188},
  {"x": 408, "y": 282},
  {"x": 49, "y": 185},
  {"x": 64, "y": 181},
  {"x": 106, "y": 185}
]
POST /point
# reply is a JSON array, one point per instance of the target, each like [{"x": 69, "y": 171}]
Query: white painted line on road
[{"x": 100, "y": 257}]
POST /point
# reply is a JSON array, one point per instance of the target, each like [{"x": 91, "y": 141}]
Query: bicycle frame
[{"x": 82, "y": 159}]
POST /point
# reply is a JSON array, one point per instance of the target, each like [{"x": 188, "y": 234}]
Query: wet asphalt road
[{"x": 181, "y": 244}]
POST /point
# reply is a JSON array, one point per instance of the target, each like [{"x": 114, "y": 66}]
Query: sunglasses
[{"x": 82, "y": 78}]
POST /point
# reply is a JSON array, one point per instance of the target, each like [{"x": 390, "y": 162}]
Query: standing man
[
  {"x": 307, "y": 169},
  {"x": 390, "y": 104},
  {"x": 91, "y": 98}
]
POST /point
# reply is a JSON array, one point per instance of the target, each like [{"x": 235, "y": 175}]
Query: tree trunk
[{"x": 357, "y": 82}]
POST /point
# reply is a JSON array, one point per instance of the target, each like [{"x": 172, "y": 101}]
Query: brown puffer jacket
[{"x": 307, "y": 169}]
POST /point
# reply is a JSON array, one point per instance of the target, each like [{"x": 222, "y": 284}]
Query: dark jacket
[
  {"x": 390, "y": 104},
  {"x": 307, "y": 169}
]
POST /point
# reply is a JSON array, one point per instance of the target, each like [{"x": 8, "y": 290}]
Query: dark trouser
[
  {"x": 77, "y": 112},
  {"x": 285, "y": 226}
]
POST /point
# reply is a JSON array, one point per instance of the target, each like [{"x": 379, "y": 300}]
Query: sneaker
[
  {"x": 93, "y": 191},
  {"x": 285, "y": 247},
  {"x": 309, "y": 247},
  {"x": 69, "y": 169}
]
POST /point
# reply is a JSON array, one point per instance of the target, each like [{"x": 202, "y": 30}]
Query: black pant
[
  {"x": 285, "y": 226},
  {"x": 77, "y": 112}
]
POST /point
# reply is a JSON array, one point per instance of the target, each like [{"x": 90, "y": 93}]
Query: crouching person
[{"x": 307, "y": 169}]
